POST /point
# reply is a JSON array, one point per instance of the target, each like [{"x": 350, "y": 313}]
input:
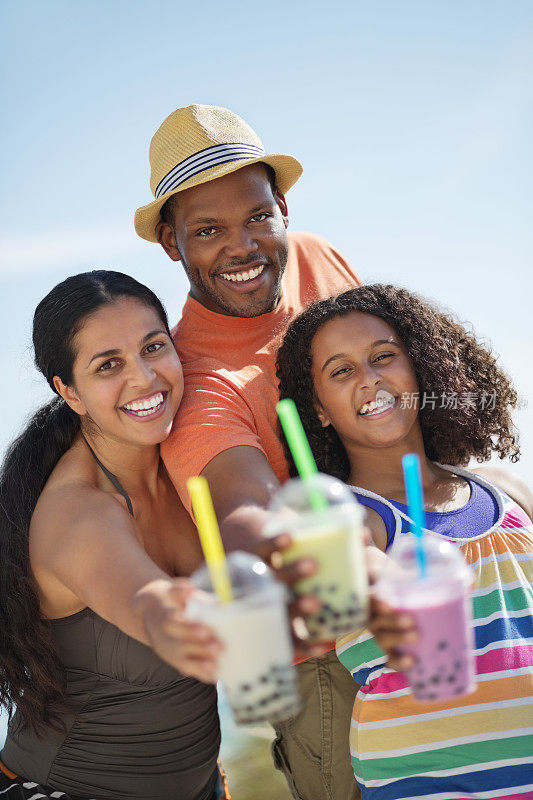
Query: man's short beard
[{"x": 254, "y": 308}]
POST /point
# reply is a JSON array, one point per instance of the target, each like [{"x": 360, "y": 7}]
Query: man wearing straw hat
[{"x": 220, "y": 209}]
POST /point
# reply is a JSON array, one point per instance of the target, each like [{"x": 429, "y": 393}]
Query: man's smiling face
[{"x": 230, "y": 234}]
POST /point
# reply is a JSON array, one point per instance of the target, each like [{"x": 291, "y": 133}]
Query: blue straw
[{"x": 415, "y": 502}]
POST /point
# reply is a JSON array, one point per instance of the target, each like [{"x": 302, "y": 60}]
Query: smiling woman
[{"x": 97, "y": 656}]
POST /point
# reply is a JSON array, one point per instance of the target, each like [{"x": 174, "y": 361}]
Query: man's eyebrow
[
  {"x": 190, "y": 223},
  {"x": 201, "y": 221},
  {"x": 260, "y": 207},
  {"x": 345, "y": 355},
  {"x": 116, "y": 351}
]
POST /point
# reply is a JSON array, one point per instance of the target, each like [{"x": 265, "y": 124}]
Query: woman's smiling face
[
  {"x": 361, "y": 370},
  {"x": 127, "y": 375}
]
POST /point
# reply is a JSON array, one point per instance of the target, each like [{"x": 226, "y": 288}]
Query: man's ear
[
  {"x": 167, "y": 239},
  {"x": 282, "y": 205},
  {"x": 68, "y": 393}
]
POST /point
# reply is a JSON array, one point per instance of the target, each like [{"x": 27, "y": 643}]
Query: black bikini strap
[{"x": 113, "y": 478}]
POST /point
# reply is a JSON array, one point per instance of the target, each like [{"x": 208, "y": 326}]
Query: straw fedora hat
[{"x": 197, "y": 144}]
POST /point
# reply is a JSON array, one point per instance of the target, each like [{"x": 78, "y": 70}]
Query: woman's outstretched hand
[{"x": 191, "y": 647}]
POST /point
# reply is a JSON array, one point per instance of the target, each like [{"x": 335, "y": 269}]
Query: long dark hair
[
  {"x": 31, "y": 675},
  {"x": 447, "y": 360}
]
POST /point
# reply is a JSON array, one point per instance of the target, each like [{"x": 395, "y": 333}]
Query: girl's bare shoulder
[{"x": 510, "y": 483}]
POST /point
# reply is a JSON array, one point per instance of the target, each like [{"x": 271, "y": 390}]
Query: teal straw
[
  {"x": 415, "y": 502},
  {"x": 300, "y": 449}
]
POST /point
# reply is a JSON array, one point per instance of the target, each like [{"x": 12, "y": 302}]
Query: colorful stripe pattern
[{"x": 479, "y": 746}]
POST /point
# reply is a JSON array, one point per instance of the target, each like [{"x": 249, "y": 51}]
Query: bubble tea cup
[
  {"x": 441, "y": 607},
  {"x": 331, "y": 532},
  {"x": 255, "y": 666}
]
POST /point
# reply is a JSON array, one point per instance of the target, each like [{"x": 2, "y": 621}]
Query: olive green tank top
[{"x": 136, "y": 728}]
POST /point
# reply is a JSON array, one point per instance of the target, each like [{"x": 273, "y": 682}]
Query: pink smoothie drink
[{"x": 441, "y": 607}]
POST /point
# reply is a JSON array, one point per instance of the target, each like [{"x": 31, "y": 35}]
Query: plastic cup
[
  {"x": 256, "y": 664},
  {"x": 333, "y": 536},
  {"x": 441, "y": 606}
]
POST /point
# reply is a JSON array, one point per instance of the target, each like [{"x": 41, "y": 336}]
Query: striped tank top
[{"x": 481, "y": 745}]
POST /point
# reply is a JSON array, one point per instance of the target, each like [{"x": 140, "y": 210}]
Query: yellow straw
[{"x": 207, "y": 525}]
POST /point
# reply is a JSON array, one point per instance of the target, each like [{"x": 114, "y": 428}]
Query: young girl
[
  {"x": 94, "y": 648},
  {"x": 377, "y": 373}
]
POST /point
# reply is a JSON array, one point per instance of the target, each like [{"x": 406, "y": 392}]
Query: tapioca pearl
[
  {"x": 332, "y": 588},
  {"x": 263, "y": 678},
  {"x": 435, "y": 679},
  {"x": 451, "y": 678},
  {"x": 245, "y": 687},
  {"x": 459, "y": 690},
  {"x": 432, "y": 696},
  {"x": 419, "y": 686},
  {"x": 458, "y": 665},
  {"x": 442, "y": 645},
  {"x": 316, "y": 588}
]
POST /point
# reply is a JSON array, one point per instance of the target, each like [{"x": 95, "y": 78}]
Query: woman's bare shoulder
[{"x": 72, "y": 499}]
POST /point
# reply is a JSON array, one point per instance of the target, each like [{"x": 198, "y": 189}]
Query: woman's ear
[{"x": 68, "y": 393}]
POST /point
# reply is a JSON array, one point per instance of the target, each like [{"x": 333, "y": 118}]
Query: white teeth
[
  {"x": 142, "y": 408},
  {"x": 242, "y": 276},
  {"x": 379, "y": 404}
]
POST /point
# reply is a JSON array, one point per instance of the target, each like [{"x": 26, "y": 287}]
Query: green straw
[{"x": 300, "y": 449}]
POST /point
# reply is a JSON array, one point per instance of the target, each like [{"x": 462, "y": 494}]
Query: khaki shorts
[{"x": 312, "y": 749}]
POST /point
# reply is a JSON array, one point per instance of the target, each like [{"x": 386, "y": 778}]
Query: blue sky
[{"x": 413, "y": 121}]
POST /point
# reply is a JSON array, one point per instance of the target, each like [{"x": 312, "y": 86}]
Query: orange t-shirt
[{"x": 229, "y": 364}]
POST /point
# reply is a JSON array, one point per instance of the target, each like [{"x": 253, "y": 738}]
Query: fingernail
[
  {"x": 309, "y": 604},
  {"x": 405, "y": 621}
]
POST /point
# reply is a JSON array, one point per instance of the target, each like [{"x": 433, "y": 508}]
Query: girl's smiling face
[
  {"x": 361, "y": 370},
  {"x": 127, "y": 376}
]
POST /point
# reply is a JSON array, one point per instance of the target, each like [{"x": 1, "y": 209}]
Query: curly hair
[{"x": 446, "y": 358}]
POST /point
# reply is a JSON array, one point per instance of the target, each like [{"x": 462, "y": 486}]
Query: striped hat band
[{"x": 210, "y": 157}]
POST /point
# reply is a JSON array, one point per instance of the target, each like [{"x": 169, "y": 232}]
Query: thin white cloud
[{"x": 73, "y": 247}]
